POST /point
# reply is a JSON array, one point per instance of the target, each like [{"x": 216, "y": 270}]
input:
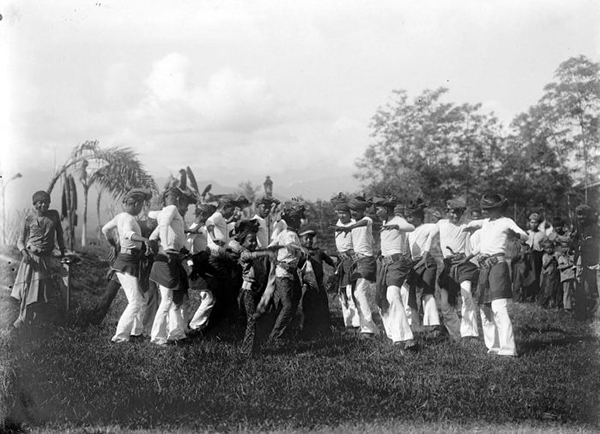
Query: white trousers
[
  {"x": 202, "y": 315},
  {"x": 468, "y": 322},
  {"x": 430, "y": 311},
  {"x": 363, "y": 293},
  {"x": 349, "y": 310},
  {"x": 395, "y": 320},
  {"x": 497, "y": 330},
  {"x": 130, "y": 322},
  {"x": 169, "y": 324}
]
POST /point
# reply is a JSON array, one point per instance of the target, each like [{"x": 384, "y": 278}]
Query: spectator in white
[
  {"x": 537, "y": 235},
  {"x": 458, "y": 274},
  {"x": 345, "y": 250},
  {"x": 494, "y": 278},
  {"x": 393, "y": 267},
  {"x": 263, "y": 209},
  {"x": 167, "y": 270},
  {"x": 421, "y": 279},
  {"x": 364, "y": 270},
  {"x": 126, "y": 263}
]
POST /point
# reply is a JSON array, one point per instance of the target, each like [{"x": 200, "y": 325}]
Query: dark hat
[
  {"x": 388, "y": 201},
  {"x": 266, "y": 201},
  {"x": 293, "y": 209},
  {"x": 342, "y": 206},
  {"x": 241, "y": 201},
  {"x": 491, "y": 201},
  {"x": 137, "y": 195},
  {"x": 358, "y": 203},
  {"x": 307, "y": 229},
  {"x": 40, "y": 195},
  {"x": 416, "y": 208}
]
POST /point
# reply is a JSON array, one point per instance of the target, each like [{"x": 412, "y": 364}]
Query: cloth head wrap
[
  {"x": 241, "y": 201},
  {"x": 389, "y": 201},
  {"x": 245, "y": 227},
  {"x": 342, "y": 206},
  {"x": 266, "y": 201},
  {"x": 205, "y": 208},
  {"x": 177, "y": 192},
  {"x": 340, "y": 202},
  {"x": 358, "y": 203},
  {"x": 40, "y": 195},
  {"x": 417, "y": 209},
  {"x": 293, "y": 210},
  {"x": 457, "y": 204},
  {"x": 490, "y": 201},
  {"x": 227, "y": 199},
  {"x": 137, "y": 195}
]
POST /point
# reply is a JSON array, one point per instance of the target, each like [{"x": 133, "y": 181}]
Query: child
[
  {"x": 255, "y": 271},
  {"x": 549, "y": 276},
  {"x": 494, "y": 279},
  {"x": 314, "y": 301},
  {"x": 566, "y": 267},
  {"x": 199, "y": 262},
  {"x": 37, "y": 239},
  {"x": 127, "y": 263}
]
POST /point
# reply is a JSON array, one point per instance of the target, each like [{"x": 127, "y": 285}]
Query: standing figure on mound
[
  {"x": 393, "y": 267},
  {"x": 34, "y": 281},
  {"x": 128, "y": 254},
  {"x": 421, "y": 280},
  {"x": 167, "y": 270},
  {"x": 315, "y": 304},
  {"x": 458, "y": 274},
  {"x": 494, "y": 286},
  {"x": 364, "y": 269},
  {"x": 222, "y": 260},
  {"x": 287, "y": 282},
  {"x": 345, "y": 252}
]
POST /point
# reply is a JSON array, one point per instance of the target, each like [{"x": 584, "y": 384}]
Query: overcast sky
[{"x": 242, "y": 89}]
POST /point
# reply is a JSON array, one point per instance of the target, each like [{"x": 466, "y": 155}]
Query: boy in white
[
  {"x": 424, "y": 270},
  {"x": 365, "y": 264},
  {"x": 343, "y": 244},
  {"x": 127, "y": 262},
  {"x": 393, "y": 267},
  {"x": 494, "y": 278},
  {"x": 167, "y": 270},
  {"x": 458, "y": 273}
]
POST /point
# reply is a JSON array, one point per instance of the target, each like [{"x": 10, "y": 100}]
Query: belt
[
  {"x": 390, "y": 259},
  {"x": 491, "y": 260},
  {"x": 346, "y": 255},
  {"x": 130, "y": 251}
]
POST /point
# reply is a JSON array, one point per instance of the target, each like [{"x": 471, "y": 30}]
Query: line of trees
[{"x": 429, "y": 148}]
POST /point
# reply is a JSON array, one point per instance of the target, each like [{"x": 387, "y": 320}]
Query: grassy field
[{"x": 69, "y": 377}]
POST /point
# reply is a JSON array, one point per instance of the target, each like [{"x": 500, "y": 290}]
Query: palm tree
[{"x": 114, "y": 170}]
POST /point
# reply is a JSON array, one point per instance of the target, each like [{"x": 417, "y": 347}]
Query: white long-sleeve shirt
[
  {"x": 452, "y": 237},
  {"x": 420, "y": 239},
  {"x": 343, "y": 240},
  {"x": 170, "y": 229},
  {"x": 494, "y": 234},
  {"x": 126, "y": 226},
  {"x": 362, "y": 238}
]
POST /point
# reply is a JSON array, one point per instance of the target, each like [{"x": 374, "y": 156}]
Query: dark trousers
[{"x": 286, "y": 298}]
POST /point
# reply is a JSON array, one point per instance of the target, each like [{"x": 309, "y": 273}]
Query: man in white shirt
[
  {"x": 222, "y": 260},
  {"x": 421, "y": 280},
  {"x": 393, "y": 267},
  {"x": 364, "y": 269},
  {"x": 458, "y": 275},
  {"x": 345, "y": 249},
  {"x": 167, "y": 270},
  {"x": 494, "y": 278},
  {"x": 127, "y": 262},
  {"x": 263, "y": 209}
]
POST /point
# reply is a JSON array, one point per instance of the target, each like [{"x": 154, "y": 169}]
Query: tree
[
  {"x": 114, "y": 170},
  {"x": 429, "y": 148},
  {"x": 571, "y": 113}
]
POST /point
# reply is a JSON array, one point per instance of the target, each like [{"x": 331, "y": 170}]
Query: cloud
[{"x": 228, "y": 101}]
